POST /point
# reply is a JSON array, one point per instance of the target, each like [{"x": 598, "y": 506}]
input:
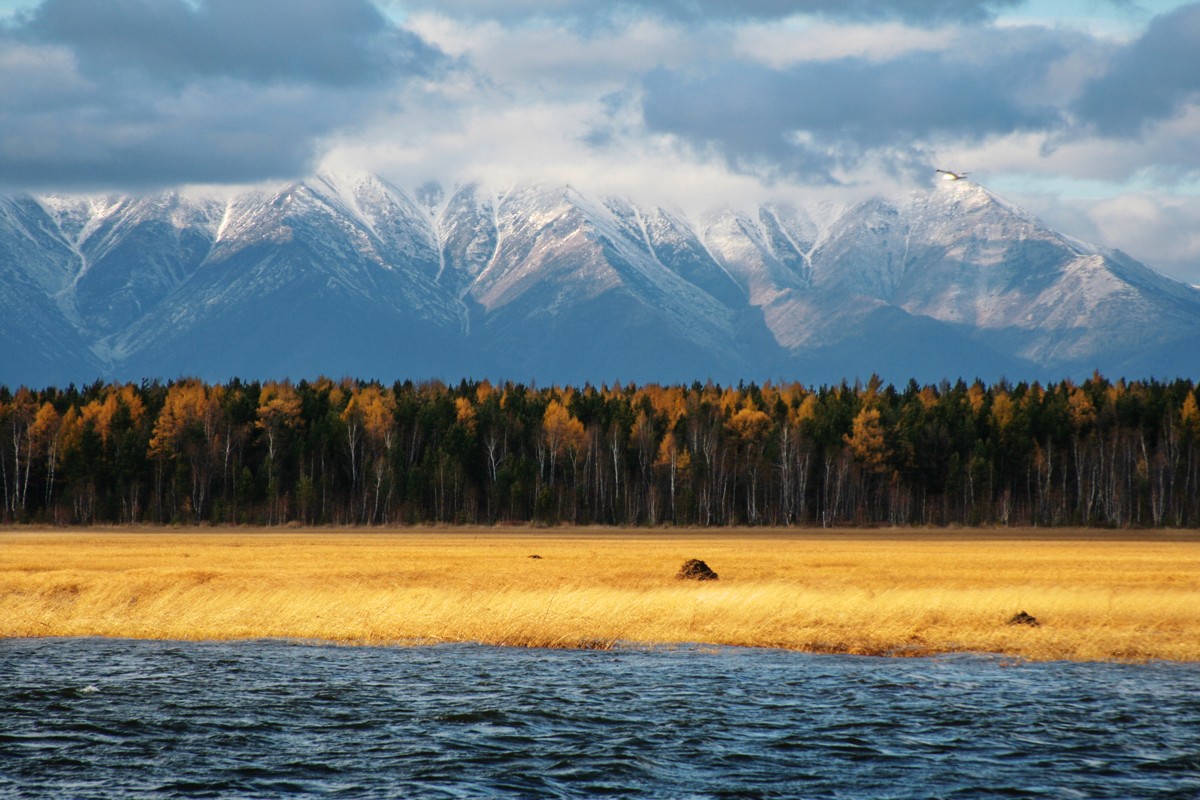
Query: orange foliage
[
  {"x": 190, "y": 404},
  {"x": 563, "y": 432},
  {"x": 278, "y": 406},
  {"x": 376, "y": 411},
  {"x": 866, "y": 440},
  {"x": 1003, "y": 409},
  {"x": 46, "y": 428},
  {"x": 806, "y": 411},
  {"x": 976, "y": 396},
  {"x": 464, "y": 413},
  {"x": 1083, "y": 412},
  {"x": 750, "y": 424},
  {"x": 1189, "y": 416},
  {"x": 100, "y": 413}
]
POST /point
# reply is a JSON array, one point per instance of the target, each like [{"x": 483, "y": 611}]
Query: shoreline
[
  {"x": 1116, "y": 596},
  {"x": 1008, "y": 659},
  {"x": 1074, "y": 533}
]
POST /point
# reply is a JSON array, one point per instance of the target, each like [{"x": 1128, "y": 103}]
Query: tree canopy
[{"x": 352, "y": 452}]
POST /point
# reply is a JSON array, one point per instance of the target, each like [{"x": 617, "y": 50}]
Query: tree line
[{"x": 350, "y": 452}]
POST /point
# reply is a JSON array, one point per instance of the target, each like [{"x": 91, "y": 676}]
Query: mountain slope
[
  {"x": 354, "y": 275},
  {"x": 990, "y": 272},
  {"x": 298, "y": 282},
  {"x": 40, "y": 339}
]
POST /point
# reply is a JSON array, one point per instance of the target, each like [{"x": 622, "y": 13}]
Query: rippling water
[{"x": 113, "y": 719}]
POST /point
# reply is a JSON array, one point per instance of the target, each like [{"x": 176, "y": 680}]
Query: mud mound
[{"x": 695, "y": 570}]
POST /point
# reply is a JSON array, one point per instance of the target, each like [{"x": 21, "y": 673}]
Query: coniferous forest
[{"x": 344, "y": 452}]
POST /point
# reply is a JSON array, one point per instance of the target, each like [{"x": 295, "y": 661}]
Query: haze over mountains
[{"x": 356, "y": 276}]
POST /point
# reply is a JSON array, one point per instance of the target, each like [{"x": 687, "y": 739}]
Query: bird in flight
[{"x": 947, "y": 175}]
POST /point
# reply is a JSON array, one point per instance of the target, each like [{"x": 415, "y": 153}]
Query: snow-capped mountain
[{"x": 356, "y": 276}]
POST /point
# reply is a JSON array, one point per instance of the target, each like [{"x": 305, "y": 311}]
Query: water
[{"x": 89, "y": 718}]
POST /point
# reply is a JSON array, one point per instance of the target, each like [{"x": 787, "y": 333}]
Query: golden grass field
[{"x": 1098, "y": 595}]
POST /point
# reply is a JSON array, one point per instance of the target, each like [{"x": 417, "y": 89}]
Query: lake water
[{"x": 91, "y": 718}]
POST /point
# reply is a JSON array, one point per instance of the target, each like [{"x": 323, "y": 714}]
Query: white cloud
[
  {"x": 549, "y": 56},
  {"x": 1165, "y": 155},
  {"x": 595, "y": 98},
  {"x": 799, "y": 39},
  {"x": 1162, "y": 230}
]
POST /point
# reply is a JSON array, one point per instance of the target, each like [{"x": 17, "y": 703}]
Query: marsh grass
[{"x": 858, "y": 592}]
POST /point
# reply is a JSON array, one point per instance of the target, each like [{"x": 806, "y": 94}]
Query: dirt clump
[{"x": 695, "y": 570}]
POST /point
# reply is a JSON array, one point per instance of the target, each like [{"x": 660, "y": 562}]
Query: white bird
[{"x": 947, "y": 175}]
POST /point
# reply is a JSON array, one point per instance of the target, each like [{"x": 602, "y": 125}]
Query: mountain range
[{"x": 356, "y": 276}]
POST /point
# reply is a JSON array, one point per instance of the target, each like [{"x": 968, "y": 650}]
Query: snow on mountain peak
[{"x": 548, "y": 281}]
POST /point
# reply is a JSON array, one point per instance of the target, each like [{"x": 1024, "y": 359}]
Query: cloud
[
  {"x": 718, "y": 10},
  {"x": 1163, "y": 230},
  {"x": 781, "y": 43},
  {"x": 552, "y": 57},
  {"x": 139, "y": 93},
  {"x": 1160, "y": 230},
  {"x": 686, "y": 102},
  {"x": 1152, "y": 79},
  {"x": 311, "y": 41},
  {"x": 811, "y": 117}
]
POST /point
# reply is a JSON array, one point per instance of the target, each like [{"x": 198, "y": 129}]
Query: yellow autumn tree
[
  {"x": 674, "y": 459},
  {"x": 1003, "y": 410},
  {"x": 70, "y": 432},
  {"x": 806, "y": 411},
  {"x": 186, "y": 429},
  {"x": 44, "y": 438},
  {"x": 378, "y": 409},
  {"x": 1189, "y": 417},
  {"x": 929, "y": 397},
  {"x": 464, "y": 414},
  {"x": 563, "y": 434},
  {"x": 278, "y": 410},
  {"x": 866, "y": 440},
  {"x": 483, "y": 391},
  {"x": 101, "y": 412},
  {"x": 190, "y": 410},
  {"x": 370, "y": 419},
  {"x": 750, "y": 425},
  {"x": 1082, "y": 410},
  {"x": 375, "y": 408}
]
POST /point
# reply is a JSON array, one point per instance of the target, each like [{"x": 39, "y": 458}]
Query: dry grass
[{"x": 899, "y": 593}]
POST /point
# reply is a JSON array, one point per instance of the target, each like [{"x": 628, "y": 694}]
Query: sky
[{"x": 1087, "y": 112}]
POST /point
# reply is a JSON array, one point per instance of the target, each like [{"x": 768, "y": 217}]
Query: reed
[{"x": 890, "y": 593}]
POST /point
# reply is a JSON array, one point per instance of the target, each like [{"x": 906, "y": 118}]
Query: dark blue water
[{"x": 88, "y": 718}]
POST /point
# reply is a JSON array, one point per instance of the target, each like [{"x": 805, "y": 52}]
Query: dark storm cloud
[
  {"x": 224, "y": 134},
  {"x": 1151, "y": 80},
  {"x": 315, "y": 41},
  {"x": 722, "y": 10},
  {"x": 130, "y": 93},
  {"x": 843, "y": 108}
]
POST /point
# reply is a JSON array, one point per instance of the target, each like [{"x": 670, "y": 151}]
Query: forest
[{"x": 350, "y": 452}]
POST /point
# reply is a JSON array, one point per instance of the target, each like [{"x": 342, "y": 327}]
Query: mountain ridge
[{"x": 356, "y": 275}]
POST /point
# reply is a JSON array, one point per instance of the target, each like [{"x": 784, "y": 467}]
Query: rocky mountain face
[{"x": 355, "y": 276}]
